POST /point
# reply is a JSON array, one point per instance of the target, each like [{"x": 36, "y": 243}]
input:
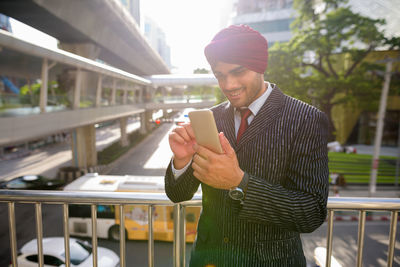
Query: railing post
[
  {"x": 361, "y": 231},
  {"x": 122, "y": 235},
  {"x": 43, "y": 88},
  {"x": 94, "y": 234},
  {"x": 13, "y": 235},
  {"x": 77, "y": 90},
  {"x": 177, "y": 236},
  {"x": 151, "y": 236},
  {"x": 392, "y": 237},
  {"x": 66, "y": 235},
  {"x": 99, "y": 91},
  {"x": 329, "y": 238},
  {"x": 113, "y": 92},
  {"x": 39, "y": 232},
  {"x": 183, "y": 236},
  {"x": 125, "y": 97}
]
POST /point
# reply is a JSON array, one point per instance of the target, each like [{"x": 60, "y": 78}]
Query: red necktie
[{"x": 245, "y": 113}]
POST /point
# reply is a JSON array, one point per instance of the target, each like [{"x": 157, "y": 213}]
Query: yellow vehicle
[{"x": 136, "y": 223}]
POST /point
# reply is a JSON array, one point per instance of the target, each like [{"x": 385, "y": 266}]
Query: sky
[{"x": 189, "y": 25}]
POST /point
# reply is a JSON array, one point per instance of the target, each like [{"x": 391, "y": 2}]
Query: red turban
[{"x": 241, "y": 45}]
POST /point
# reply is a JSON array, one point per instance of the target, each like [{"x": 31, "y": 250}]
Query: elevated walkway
[
  {"x": 135, "y": 91},
  {"x": 105, "y": 24}
]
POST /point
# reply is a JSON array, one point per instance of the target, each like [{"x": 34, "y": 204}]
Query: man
[{"x": 271, "y": 182}]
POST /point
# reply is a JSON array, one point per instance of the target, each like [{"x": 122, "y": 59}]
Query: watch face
[{"x": 236, "y": 193}]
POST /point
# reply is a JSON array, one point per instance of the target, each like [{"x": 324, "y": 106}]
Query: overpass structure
[
  {"x": 96, "y": 29},
  {"x": 94, "y": 93}
]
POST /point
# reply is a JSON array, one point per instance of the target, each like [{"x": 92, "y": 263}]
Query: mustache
[{"x": 233, "y": 90}]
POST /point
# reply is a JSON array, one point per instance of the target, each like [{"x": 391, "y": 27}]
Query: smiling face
[{"x": 240, "y": 85}]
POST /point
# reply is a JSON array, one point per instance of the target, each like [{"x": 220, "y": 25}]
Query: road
[
  {"x": 151, "y": 158},
  {"x": 58, "y": 155}
]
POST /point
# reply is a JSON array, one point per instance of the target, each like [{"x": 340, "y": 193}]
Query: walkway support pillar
[
  {"x": 84, "y": 154},
  {"x": 123, "y": 123},
  {"x": 144, "y": 121}
]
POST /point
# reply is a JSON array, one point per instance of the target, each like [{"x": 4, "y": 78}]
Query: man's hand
[
  {"x": 181, "y": 140},
  {"x": 217, "y": 170}
]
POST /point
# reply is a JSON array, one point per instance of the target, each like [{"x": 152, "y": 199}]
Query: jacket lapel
[
  {"x": 267, "y": 114},
  {"x": 228, "y": 126}
]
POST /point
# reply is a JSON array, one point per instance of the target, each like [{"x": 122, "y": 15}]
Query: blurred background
[{"x": 95, "y": 86}]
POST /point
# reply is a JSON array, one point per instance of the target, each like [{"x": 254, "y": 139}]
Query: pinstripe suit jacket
[{"x": 284, "y": 152}]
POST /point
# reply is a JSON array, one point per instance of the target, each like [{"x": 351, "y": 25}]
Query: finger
[
  {"x": 189, "y": 130},
  {"x": 181, "y": 131},
  {"x": 198, "y": 172},
  {"x": 200, "y": 161},
  {"x": 203, "y": 152},
  {"x": 198, "y": 176},
  {"x": 226, "y": 146},
  {"x": 174, "y": 137}
]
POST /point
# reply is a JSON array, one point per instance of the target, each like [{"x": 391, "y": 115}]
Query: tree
[{"x": 325, "y": 61}]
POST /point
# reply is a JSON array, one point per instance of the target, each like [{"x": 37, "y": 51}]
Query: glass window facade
[{"x": 272, "y": 26}]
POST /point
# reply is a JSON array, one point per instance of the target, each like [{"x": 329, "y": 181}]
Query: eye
[
  {"x": 219, "y": 76},
  {"x": 239, "y": 72}
]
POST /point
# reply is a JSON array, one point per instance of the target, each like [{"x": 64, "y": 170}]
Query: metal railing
[{"x": 362, "y": 205}]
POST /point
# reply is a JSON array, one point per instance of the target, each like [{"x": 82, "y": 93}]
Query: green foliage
[
  {"x": 200, "y": 71},
  {"x": 324, "y": 62},
  {"x": 30, "y": 94},
  {"x": 356, "y": 168}
]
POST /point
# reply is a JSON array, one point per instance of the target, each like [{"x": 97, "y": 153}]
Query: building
[
  {"x": 271, "y": 18},
  {"x": 154, "y": 34},
  {"x": 157, "y": 39},
  {"x": 133, "y": 7}
]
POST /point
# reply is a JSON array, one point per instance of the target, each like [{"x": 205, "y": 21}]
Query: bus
[{"x": 136, "y": 220}]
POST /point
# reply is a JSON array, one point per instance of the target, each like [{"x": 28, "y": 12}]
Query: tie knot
[{"x": 245, "y": 113}]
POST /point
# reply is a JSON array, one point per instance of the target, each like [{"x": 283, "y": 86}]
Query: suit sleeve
[
  {"x": 298, "y": 203},
  {"x": 183, "y": 188}
]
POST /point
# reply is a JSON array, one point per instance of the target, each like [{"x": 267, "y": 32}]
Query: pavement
[
  {"x": 384, "y": 151},
  {"x": 382, "y": 191}
]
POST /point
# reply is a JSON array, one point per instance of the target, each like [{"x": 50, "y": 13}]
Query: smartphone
[{"x": 205, "y": 129}]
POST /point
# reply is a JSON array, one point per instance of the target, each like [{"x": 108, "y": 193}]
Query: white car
[
  {"x": 54, "y": 254},
  {"x": 183, "y": 117}
]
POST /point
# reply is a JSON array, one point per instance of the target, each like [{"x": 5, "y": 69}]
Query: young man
[{"x": 271, "y": 182}]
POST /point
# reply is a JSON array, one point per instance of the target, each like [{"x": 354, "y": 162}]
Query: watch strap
[{"x": 245, "y": 181}]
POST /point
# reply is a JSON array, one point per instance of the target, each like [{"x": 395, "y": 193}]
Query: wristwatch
[{"x": 238, "y": 192}]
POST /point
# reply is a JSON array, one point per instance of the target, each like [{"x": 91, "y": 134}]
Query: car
[
  {"x": 54, "y": 254},
  {"x": 32, "y": 182},
  {"x": 183, "y": 117}
]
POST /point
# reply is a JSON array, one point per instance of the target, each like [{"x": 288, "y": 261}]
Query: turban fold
[{"x": 241, "y": 45}]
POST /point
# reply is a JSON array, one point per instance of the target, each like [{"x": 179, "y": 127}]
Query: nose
[{"x": 230, "y": 83}]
